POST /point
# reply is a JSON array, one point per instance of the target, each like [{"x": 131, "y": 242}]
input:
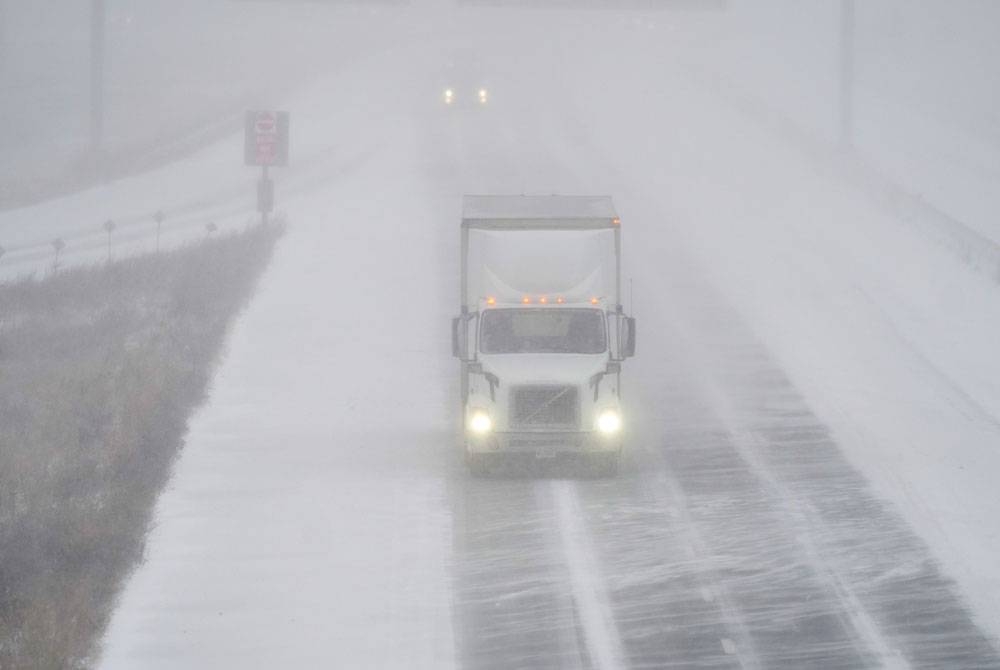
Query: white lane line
[
  {"x": 728, "y": 646},
  {"x": 592, "y": 601},
  {"x": 664, "y": 488}
]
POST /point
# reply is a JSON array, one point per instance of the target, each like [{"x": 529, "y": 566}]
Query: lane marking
[
  {"x": 592, "y": 601},
  {"x": 728, "y": 646},
  {"x": 664, "y": 488}
]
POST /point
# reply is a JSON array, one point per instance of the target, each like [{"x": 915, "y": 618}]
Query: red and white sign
[{"x": 266, "y": 138}]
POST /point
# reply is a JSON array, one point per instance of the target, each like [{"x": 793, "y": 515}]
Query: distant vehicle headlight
[
  {"x": 483, "y": 96},
  {"x": 609, "y": 422},
  {"x": 449, "y": 96},
  {"x": 480, "y": 422}
]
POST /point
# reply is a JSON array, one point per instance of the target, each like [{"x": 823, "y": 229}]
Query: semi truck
[{"x": 542, "y": 333}]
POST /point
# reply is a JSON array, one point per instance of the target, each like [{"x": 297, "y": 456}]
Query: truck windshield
[{"x": 542, "y": 331}]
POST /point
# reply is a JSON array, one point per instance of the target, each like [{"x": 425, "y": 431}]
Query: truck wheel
[{"x": 604, "y": 465}]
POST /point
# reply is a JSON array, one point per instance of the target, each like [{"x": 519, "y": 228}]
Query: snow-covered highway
[{"x": 799, "y": 490}]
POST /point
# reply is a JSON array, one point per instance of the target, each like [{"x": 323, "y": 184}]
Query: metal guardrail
[{"x": 975, "y": 249}]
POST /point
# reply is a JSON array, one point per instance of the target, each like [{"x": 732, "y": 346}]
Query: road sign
[{"x": 266, "y": 138}]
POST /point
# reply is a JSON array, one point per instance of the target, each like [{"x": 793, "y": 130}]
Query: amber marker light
[
  {"x": 526, "y": 300},
  {"x": 593, "y": 301},
  {"x": 616, "y": 221},
  {"x": 491, "y": 300},
  {"x": 543, "y": 300},
  {"x": 560, "y": 300}
]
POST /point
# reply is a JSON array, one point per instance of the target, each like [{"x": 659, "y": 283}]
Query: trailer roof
[{"x": 538, "y": 212}]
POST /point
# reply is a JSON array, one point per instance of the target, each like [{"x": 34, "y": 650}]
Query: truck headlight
[
  {"x": 609, "y": 422},
  {"x": 480, "y": 422}
]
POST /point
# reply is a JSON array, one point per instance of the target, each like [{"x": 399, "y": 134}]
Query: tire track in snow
[
  {"x": 891, "y": 591},
  {"x": 589, "y": 593}
]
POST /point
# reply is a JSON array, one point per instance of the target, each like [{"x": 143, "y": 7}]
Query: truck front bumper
[{"x": 544, "y": 443}]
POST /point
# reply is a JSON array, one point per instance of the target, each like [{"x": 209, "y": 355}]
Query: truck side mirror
[
  {"x": 628, "y": 337},
  {"x": 460, "y": 344}
]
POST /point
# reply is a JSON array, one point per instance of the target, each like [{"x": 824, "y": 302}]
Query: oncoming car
[
  {"x": 451, "y": 95},
  {"x": 463, "y": 83}
]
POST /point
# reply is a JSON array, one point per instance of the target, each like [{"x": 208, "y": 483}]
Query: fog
[{"x": 809, "y": 225}]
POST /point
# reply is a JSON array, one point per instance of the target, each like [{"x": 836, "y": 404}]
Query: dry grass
[{"x": 99, "y": 370}]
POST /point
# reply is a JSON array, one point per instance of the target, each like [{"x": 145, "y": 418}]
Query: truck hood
[{"x": 544, "y": 368}]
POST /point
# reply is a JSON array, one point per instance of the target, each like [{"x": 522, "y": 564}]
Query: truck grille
[{"x": 544, "y": 407}]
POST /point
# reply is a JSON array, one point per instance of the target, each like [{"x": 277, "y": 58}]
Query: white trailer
[{"x": 542, "y": 332}]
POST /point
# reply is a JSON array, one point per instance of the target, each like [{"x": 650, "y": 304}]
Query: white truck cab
[{"x": 542, "y": 333}]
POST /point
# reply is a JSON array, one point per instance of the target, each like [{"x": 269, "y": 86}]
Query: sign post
[{"x": 266, "y": 145}]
